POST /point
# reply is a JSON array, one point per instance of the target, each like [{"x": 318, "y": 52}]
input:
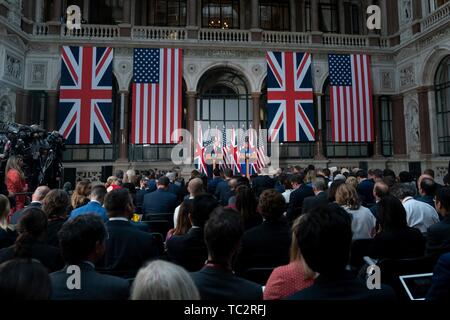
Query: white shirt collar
[{"x": 407, "y": 199}]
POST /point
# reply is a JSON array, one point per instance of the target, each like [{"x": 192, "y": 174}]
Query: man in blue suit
[
  {"x": 161, "y": 200},
  {"x": 365, "y": 188},
  {"x": 94, "y": 206}
]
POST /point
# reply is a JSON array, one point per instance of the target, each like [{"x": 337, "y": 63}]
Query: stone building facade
[{"x": 224, "y": 43}]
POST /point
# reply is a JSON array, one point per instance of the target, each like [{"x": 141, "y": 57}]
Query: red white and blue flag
[
  {"x": 351, "y": 107},
  {"x": 85, "y": 98},
  {"x": 199, "y": 156},
  {"x": 290, "y": 97},
  {"x": 157, "y": 99}
]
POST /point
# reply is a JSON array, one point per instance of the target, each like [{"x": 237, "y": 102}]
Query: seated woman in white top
[{"x": 363, "y": 221}]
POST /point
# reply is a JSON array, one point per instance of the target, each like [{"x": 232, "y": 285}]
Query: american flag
[
  {"x": 290, "y": 97},
  {"x": 85, "y": 96},
  {"x": 351, "y": 98},
  {"x": 156, "y": 95},
  {"x": 224, "y": 163}
]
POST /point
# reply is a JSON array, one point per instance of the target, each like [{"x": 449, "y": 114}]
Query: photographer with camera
[{"x": 16, "y": 182}]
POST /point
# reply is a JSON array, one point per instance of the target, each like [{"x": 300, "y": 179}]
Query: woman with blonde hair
[
  {"x": 7, "y": 231},
  {"x": 112, "y": 183},
  {"x": 288, "y": 279},
  {"x": 15, "y": 181},
  {"x": 352, "y": 181},
  {"x": 80, "y": 196},
  {"x": 363, "y": 221},
  {"x": 162, "y": 280}
]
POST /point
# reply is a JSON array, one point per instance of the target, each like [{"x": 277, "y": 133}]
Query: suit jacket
[
  {"x": 223, "y": 193},
  {"x": 212, "y": 184},
  {"x": 127, "y": 248},
  {"x": 427, "y": 199},
  {"x": 49, "y": 256},
  {"x": 397, "y": 244},
  {"x": 94, "y": 285},
  {"x": 365, "y": 191},
  {"x": 177, "y": 191},
  {"x": 440, "y": 287},
  {"x": 215, "y": 283},
  {"x": 342, "y": 287},
  {"x": 188, "y": 250},
  {"x": 296, "y": 201},
  {"x": 52, "y": 231},
  {"x": 91, "y": 207},
  {"x": 7, "y": 237},
  {"x": 160, "y": 201},
  {"x": 438, "y": 237},
  {"x": 261, "y": 183},
  {"x": 140, "y": 194},
  {"x": 266, "y": 245},
  {"x": 312, "y": 202},
  {"x": 14, "y": 219},
  {"x": 374, "y": 209}
]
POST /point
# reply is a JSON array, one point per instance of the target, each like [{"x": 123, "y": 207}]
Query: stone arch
[
  {"x": 224, "y": 65},
  {"x": 431, "y": 64}
]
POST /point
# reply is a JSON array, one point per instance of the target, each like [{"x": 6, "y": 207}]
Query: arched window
[
  {"x": 339, "y": 150},
  {"x": 442, "y": 88},
  {"x": 221, "y": 14},
  {"x": 274, "y": 15}
]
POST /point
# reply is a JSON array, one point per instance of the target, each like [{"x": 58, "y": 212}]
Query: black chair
[
  {"x": 392, "y": 269},
  {"x": 159, "y": 226},
  {"x": 159, "y": 238},
  {"x": 359, "y": 249},
  {"x": 159, "y": 216},
  {"x": 258, "y": 275}
]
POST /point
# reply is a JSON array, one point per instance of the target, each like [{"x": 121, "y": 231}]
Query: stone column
[
  {"x": 417, "y": 15},
  {"x": 39, "y": 11},
  {"x": 293, "y": 15},
  {"x": 242, "y": 21},
  {"x": 133, "y": 12},
  {"x": 255, "y": 14},
  {"x": 28, "y": 9},
  {"x": 151, "y": 12},
  {"x": 341, "y": 13},
  {"x": 123, "y": 143},
  {"x": 316, "y": 35},
  {"x": 86, "y": 10},
  {"x": 52, "y": 107},
  {"x": 126, "y": 18},
  {"x": 376, "y": 126},
  {"x": 318, "y": 145},
  {"x": 57, "y": 10},
  {"x": 144, "y": 12},
  {"x": 256, "y": 101},
  {"x": 192, "y": 24},
  {"x": 398, "y": 128},
  {"x": 23, "y": 114},
  {"x": 393, "y": 23},
  {"x": 424, "y": 121},
  {"x": 191, "y": 114}
]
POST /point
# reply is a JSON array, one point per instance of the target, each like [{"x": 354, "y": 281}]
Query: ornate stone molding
[
  {"x": 407, "y": 76},
  {"x": 387, "y": 78},
  {"x": 13, "y": 68},
  {"x": 223, "y": 53}
]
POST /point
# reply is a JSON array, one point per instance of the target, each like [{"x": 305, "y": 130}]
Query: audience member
[
  {"x": 162, "y": 280},
  {"x": 333, "y": 189},
  {"x": 195, "y": 188},
  {"x": 216, "y": 281},
  {"x": 287, "y": 186},
  {"x": 418, "y": 214},
  {"x": 8, "y": 234},
  {"x": 36, "y": 201},
  {"x": 440, "y": 287},
  {"x": 266, "y": 245},
  {"x": 365, "y": 188},
  {"x": 82, "y": 242},
  {"x": 127, "y": 247},
  {"x": 363, "y": 221},
  {"x": 95, "y": 206},
  {"x": 223, "y": 193},
  {"x": 246, "y": 205},
  {"x": 24, "y": 279},
  {"x": 16, "y": 182},
  {"x": 161, "y": 200},
  {"x": 189, "y": 250},
  {"x": 31, "y": 244},
  {"x": 438, "y": 235},
  {"x": 183, "y": 224},
  {"x": 112, "y": 183},
  {"x": 427, "y": 191},
  {"x": 288, "y": 279},
  {"x": 216, "y": 179},
  {"x": 320, "y": 195},
  {"x": 262, "y": 182},
  {"x": 55, "y": 205},
  {"x": 80, "y": 196},
  {"x": 380, "y": 190},
  {"x": 301, "y": 191},
  {"x": 324, "y": 238}
]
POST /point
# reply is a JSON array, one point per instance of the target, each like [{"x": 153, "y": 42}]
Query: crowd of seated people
[{"x": 298, "y": 234}]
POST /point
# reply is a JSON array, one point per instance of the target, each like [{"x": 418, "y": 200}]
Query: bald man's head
[
  {"x": 195, "y": 186},
  {"x": 380, "y": 189},
  {"x": 40, "y": 193}
]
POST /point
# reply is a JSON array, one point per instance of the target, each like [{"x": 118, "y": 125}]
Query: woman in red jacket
[{"x": 15, "y": 181}]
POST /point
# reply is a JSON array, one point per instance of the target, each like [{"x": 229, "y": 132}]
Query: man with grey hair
[
  {"x": 195, "y": 187},
  {"x": 36, "y": 202},
  {"x": 173, "y": 187},
  {"x": 320, "y": 195},
  {"x": 418, "y": 214}
]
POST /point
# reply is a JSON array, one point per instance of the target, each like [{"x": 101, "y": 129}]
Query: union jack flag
[
  {"x": 225, "y": 162},
  {"x": 199, "y": 158},
  {"x": 85, "y": 101},
  {"x": 290, "y": 97}
]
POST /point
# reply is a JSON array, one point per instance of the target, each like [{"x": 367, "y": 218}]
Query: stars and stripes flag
[
  {"x": 225, "y": 162},
  {"x": 351, "y": 107},
  {"x": 290, "y": 97},
  {"x": 85, "y": 96},
  {"x": 157, "y": 76},
  {"x": 261, "y": 161}
]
